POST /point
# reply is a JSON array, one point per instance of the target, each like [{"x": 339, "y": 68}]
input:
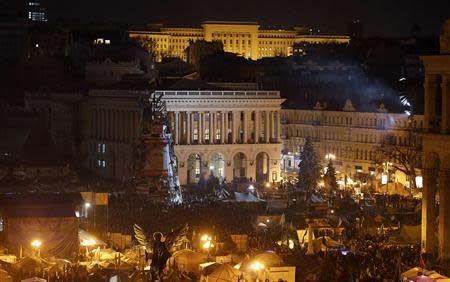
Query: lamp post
[{"x": 36, "y": 245}]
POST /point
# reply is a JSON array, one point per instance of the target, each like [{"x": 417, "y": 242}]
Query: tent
[
  {"x": 31, "y": 264},
  {"x": 246, "y": 197},
  {"x": 323, "y": 243},
  {"x": 267, "y": 258},
  {"x": 417, "y": 274},
  {"x": 34, "y": 279},
  {"x": 188, "y": 260},
  {"x": 4, "y": 276},
  {"x": 224, "y": 273}
]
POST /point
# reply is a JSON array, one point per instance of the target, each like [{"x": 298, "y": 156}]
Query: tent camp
[
  {"x": 49, "y": 218},
  {"x": 224, "y": 273},
  {"x": 267, "y": 258},
  {"x": 187, "y": 260},
  {"x": 4, "y": 276}
]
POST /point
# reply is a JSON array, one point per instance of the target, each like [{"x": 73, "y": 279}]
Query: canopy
[
  {"x": 246, "y": 197},
  {"x": 224, "y": 273},
  {"x": 267, "y": 258},
  {"x": 4, "y": 276},
  {"x": 31, "y": 264},
  {"x": 188, "y": 260},
  {"x": 323, "y": 243},
  {"x": 34, "y": 279}
]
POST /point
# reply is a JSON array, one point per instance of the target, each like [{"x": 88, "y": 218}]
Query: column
[
  {"x": 233, "y": 127},
  {"x": 256, "y": 127},
  {"x": 429, "y": 242},
  {"x": 226, "y": 125},
  {"x": 445, "y": 123},
  {"x": 272, "y": 126},
  {"x": 177, "y": 127},
  {"x": 188, "y": 128},
  {"x": 266, "y": 127},
  {"x": 430, "y": 102},
  {"x": 214, "y": 127},
  {"x": 278, "y": 125},
  {"x": 222, "y": 128},
  {"x": 202, "y": 127},
  {"x": 245, "y": 141},
  {"x": 444, "y": 215},
  {"x": 211, "y": 128}
]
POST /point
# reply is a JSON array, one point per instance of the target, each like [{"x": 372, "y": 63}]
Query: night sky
[{"x": 380, "y": 17}]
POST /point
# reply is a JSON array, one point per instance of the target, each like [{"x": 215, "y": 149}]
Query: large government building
[{"x": 247, "y": 39}]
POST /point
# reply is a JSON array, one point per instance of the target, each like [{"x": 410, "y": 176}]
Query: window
[
  {"x": 101, "y": 163},
  {"x": 101, "y": 148}
]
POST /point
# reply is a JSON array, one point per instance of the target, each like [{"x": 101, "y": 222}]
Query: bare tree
[{"x": 403, "y": 152}]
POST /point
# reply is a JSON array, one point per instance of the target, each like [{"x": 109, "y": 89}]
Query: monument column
[
  {"x": 222, "y": 128},
  {"x": 429, "y": 242},
  {"x": 211, "y": 128},
  {"x": 272, "y": 127}
]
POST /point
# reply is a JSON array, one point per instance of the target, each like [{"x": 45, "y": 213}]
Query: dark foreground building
[{"x": 47, "y": 218}]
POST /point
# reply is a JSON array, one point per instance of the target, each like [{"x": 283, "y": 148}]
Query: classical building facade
[
  {"x": 247, "y": 39},
  {"x": 350, "y": 137},
  {"x": 436, "y": 140},
  {"x": 227, "y": 133}
]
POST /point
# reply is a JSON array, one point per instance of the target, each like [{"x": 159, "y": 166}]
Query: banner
[{"x": 101, "y": 199}]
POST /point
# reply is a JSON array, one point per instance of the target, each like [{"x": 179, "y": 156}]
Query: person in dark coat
[{"x": 160, "y": 253}]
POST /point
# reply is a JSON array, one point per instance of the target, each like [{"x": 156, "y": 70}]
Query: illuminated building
[
  {"x": 350, "y": 136},
  {"x": 36, "y": 12},
  {"x": 229, "y": 133},
  {"x": 436, "y": 150},
  {"x": 246, "y": 39}
]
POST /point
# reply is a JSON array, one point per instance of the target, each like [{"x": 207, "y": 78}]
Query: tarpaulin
[{"x": 59, "y": 235}]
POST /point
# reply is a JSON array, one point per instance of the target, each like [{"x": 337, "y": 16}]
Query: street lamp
[
  {"x": 36, "y": 244},
  {"x": 330, "y": 156}
]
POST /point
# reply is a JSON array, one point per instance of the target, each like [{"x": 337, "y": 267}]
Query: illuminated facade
[
  {"x": 246, "y": 39},
  {"x": 227, "y": 133},
  {"x": 351, "y": 137}
]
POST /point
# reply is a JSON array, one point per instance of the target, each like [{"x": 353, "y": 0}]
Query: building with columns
[
  {"x": 227, "y": 133},
  {"x": 436, "y": 150},
  {"x": 351, "y": 136},
  {"x": 247, "y": 39}
]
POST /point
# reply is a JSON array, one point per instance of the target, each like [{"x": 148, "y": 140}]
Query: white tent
[{"x": 34, "y": 279}]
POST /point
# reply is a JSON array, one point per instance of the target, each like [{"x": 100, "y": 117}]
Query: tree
[
  {"x": 309, "y": 167},
  {"x": 402, "y": 152},
  {"x": 330, "y": 178}
]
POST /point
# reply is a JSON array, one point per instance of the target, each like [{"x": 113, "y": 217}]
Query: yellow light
[
  {"x": 268, "y": 185},
  {"x": 36, "y": 243},
  {"x": 291, "y": 244},
  {"x": 257, "y": 266},
  {"x": 268, "y": 220},
  {"x": 207, "y": 245},
  {"x": 204, "y": 237},
  {"x": 89, "y": 242}
]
